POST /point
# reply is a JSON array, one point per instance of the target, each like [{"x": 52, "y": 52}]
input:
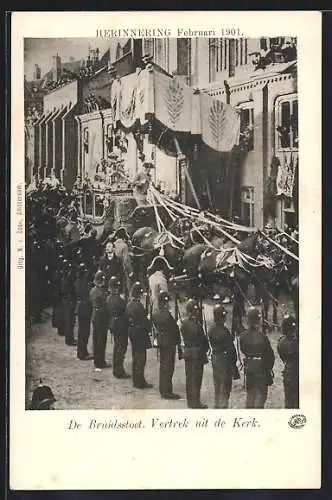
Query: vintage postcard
[{"x": 165, "y": 250}]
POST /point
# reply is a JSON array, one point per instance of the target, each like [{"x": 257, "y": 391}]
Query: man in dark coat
[
  {"x": 195, "y": 351},
  {"x": 119, "y": 326},
  {"x": 110, "y": 264},
  {"x": 168, "y": 337},
  {"x": 259, "y": 360},
  {"x": 100, "y": 320},
  {"x": 139, "y": 328},
  {"x": 67, "y": 306},
  {"x": 224, "y": 357},
  {"x": 288, "y": 350},
  {"x": 84, "y": 312}
]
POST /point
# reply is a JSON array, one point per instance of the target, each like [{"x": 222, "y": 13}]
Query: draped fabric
[
  {"x": 286, "y": 174},
  {"x": 220, "y": 124},
  {"x": 176, "y": 106},
  {"x": 172, "y": 103}
]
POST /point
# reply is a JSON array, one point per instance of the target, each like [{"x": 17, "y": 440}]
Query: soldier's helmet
[
  {"x": 192, "y": 307},
  {"x": 219, "y": 312},
  {"x": 114, "y": 283},
  {"x": 163, "y": 298},
  {"x": 137, "y": 290},
  {"x": 82, "y": 268},
  {"x": 100, "y": 278},
  {"x": 42, "y": 398},
  {"x": 288, "y": 324},
  {"x": 253, "y": 316},
  {"x": 66, "y": 265}
]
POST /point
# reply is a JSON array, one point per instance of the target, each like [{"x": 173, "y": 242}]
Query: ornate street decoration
[
  {"x": 217, "y": 120},
  {"x": 174, "y": 100}
]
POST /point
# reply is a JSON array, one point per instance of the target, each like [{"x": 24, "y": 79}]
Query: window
[
  {"x": 88, "y": 203},
  {"x": 183, "y": 56},
  {"x": 99, "y": 206},
  {"x": 148, "y": 46},
  {"x": 86, "y": 140},
  {"x": 287, "y": 122},
  {"x": 236, "y": 52},
  {"x": 263, "y": 43},
  {"x": 247, "y": 125},
  {"x": 288, "y": 215},
  {"x": 93, "y": 205},
  {"x": 276, "y": 43},
  {"x": 247, "y": 206}
]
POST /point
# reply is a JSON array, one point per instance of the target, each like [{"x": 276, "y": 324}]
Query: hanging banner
[
  {"x": 172, "y": 102},
  {"x": 286, "y": 174},
  {"x": 144, "y": 95},
  {"x": 177, "y": 106},
  {"x": 220, "y": 124}
]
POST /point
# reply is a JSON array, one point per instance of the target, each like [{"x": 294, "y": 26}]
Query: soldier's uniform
[
  {"x": 195, "y": 351},
  {"x": 118, "y": 326},
  {"x": 84, "y": 312},
  {"x": 67, "y": 304},
  {"x": 288, "y": 350},
  {"x": 168, "y": 338},
  {"x": 36, "y": 281},
  {"x": 100, "y": 320},
  {"x": 259, "y": 361},
  {"x": 223, "y": 359},
  {"x": 139, "y": 328}
]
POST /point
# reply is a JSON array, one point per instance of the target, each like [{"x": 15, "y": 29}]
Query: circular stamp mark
[{"x": 297, "y": 421}]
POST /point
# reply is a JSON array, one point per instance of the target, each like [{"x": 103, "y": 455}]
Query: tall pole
[{"x": 231, "y": 177}]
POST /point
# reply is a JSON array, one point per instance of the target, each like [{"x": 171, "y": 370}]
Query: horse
[{"x": 147, "y": 243}]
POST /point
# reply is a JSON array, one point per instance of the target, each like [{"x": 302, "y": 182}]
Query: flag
[{"x": 220, "y": 124}]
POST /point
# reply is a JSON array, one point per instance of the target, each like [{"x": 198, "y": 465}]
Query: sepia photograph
[
  {"x": 161, "y": 223},
  {"x": 165, "y": 266}
]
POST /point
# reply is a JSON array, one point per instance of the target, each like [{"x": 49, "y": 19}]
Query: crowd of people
[{"x": 86, "y": 284}]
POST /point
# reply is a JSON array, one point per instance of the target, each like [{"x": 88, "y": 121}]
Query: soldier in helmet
[
  {"x": 195, "y": 351},
  {"x": 42, "y": 398},
  {"x": 259, "y": 360},
  {"x": 288, "y": 350},
  {"x": 100, "y": 320},
  {"x": 84, "y": 312},
  {"x": 118, "y": 325},
  {"x": 139, "y": 329},
  {"x": 168, "y": 338},
  {"x": 224, "y": 357}
]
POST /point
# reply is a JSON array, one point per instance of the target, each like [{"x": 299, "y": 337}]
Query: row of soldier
[{"x": 104, "y": 307}]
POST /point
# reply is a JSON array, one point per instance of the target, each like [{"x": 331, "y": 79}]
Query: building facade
[{"x": 77, "y": 132}]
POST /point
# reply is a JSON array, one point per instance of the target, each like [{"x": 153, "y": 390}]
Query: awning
[{"x": 180, "y": 108}]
